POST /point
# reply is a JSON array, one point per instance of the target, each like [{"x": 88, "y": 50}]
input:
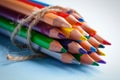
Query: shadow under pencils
[{"x": 46, "y": 62}]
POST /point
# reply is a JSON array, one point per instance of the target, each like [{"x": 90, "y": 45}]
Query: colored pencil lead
[
  {"x": 93, "y": 49},
  {"x": 106, "y": 42},
  {"x": 101, "y": 61},
  {"x": 95, "y": 64},
  {"x": 101, "y": 46}
]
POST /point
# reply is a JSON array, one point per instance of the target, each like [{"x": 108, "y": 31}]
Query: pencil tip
[
  {"x": 78, "y": 23},
  {"x": 101, "y": 46},
  {"x": 106, "y": 42},
  {"x": 81, "y": 20},
  {"x": 82, "y": 38},
  {"x": 74, "y": 61},
  {"x": 101, "y": 61},
  {"x": 82, "y": 51},
  {"x": 87, "y": 37},
  {"x": 93, "y": 49},
  {"x": 101, "y": 53},
  {"x": 63, "y": 50},
  {"x": 95, "y": 64},
  {"x": 61, "y": 36},
  {"x": 92, "y": 34}
]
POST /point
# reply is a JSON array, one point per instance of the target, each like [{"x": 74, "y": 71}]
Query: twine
[{"x": 35, "y": 17}]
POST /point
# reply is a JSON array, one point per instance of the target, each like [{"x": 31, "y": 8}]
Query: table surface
[{"x": 102, "y": 15}]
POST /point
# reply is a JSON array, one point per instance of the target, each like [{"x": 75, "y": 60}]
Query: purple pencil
[{"x": 41, "y": 27}]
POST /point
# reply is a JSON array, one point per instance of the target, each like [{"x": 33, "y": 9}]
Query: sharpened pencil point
[
  {"x": 106, "y": 42},
  {"x": 78, "y": 23},
  {"x": 101, "y": 46},
  {"x": 103, "y": 54},
  {"x": 74, "y": 61},
  {"x": 95, "y": 64},
  {"x": 93, "y": 49},
  {"x": 92, "y": 34},
  {"x": 63, "y": 50},
  {"x": 87, "y": 37},
  {"x": 101, "y": 61},
  {"x": 81, "y": 19},
  {"x": 61, "y": 36},
  {"x": 82, "y": 38},
  {"x": 82, "y": 51}
]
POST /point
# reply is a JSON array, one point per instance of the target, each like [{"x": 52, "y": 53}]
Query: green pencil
[{"x": 37, "y": 38}]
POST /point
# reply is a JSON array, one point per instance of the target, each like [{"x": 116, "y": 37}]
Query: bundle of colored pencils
[{"x": 63, "y": 35}]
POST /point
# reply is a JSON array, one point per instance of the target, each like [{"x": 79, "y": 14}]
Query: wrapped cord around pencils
[{"x": 35, "y": 17}]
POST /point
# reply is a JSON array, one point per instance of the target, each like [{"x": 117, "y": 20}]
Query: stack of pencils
[{"x": 63, "y": 35}]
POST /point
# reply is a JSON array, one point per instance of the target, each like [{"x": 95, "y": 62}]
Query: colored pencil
[
  {"x": 27, "y": 9},
  {"x": 86, "y": 27},
  {"x": 101, "y": 40},
  {"x": 90, "y": 39},
  {"x": 70, "y": 33},
  {"x": 96, "y": 57},
  {"x": 44, "y": 28},
  {"x": 72, "y": 46},
  {"x": 73, "y": 34},
  {"x": 86, "y": 45},
  {"x": 101, "y": 53},
  {"x": 40, "y": 27},
  {"x": 64, "y": 57},
  {"x": 71, "y": 19},
  {"x": 39, "y": 39},
  {"x": 85, "y": 59},
  {"x": 95, "y": 43}
]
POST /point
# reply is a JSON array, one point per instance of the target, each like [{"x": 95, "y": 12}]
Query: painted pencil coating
[
  {"x": 64, "y": 57},
  {"x": 39, "y": 39},
  {"x": 27, "y": 9},
  {"x": 68, "y": 17},
  {"x": 40, "y": 27}
]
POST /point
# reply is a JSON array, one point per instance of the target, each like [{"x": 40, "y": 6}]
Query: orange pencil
[{"x": 27, "y": 9}]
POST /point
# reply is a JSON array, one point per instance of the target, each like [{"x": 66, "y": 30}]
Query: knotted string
[{"x": 35, "y": 17}]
